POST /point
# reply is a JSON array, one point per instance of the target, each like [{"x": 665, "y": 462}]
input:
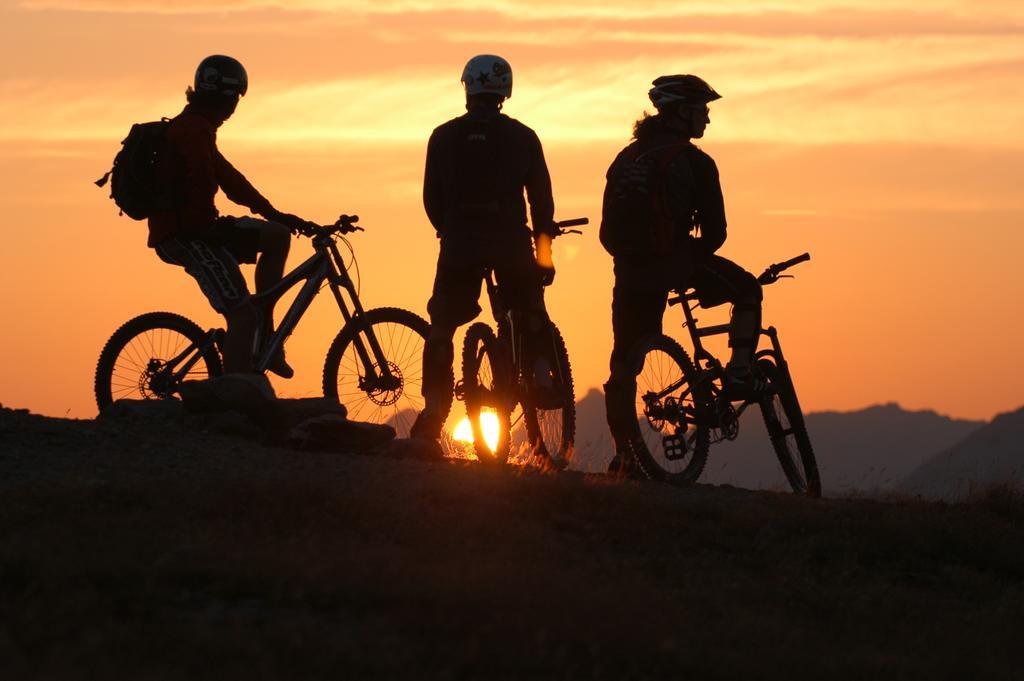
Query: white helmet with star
[{"x": 487, "y": 74}]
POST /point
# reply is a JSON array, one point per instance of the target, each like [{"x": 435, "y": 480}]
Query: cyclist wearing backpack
[
  {"x": 476, "y": 170},
  {"x": 186, "y": 229},
  {"x": 663, "y": 219}
]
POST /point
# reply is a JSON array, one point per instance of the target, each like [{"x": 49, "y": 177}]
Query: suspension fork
[
  {"x": 169, "y": 376},
  {"x": 378, "y": 375}
]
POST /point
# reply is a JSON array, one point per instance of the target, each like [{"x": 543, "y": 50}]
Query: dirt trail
[{"x": 134, "y": 549}]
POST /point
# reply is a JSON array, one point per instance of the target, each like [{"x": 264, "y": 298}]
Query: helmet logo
[{"x": 483, "y": 78}]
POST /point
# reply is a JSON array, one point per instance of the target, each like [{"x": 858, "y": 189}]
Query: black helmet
[
  {"x": 221, "y": 75},
  {"x": 684, "y": 89}
]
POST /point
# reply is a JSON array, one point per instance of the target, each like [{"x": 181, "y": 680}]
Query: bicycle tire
[
  {"x": 486, "y": 387},
  {"x": 551, "y": 433},
  {"x": 661, "y": 361},
  {"x": 116, "y": 379},
  {"x": 402, "y": 335},
  {"x": 787, "y": 430}
]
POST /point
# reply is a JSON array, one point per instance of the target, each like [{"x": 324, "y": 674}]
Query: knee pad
[
  {"x": 244, "y": 311},
  {"x": 438, "y": 352},
  {"x": 620, "y": 409},
  {"x": 745, "y": 338},
  {"x": 438, "y": 375}
]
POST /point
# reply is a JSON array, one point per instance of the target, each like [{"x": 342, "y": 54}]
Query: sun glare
[{"x": 463, "y": 431}]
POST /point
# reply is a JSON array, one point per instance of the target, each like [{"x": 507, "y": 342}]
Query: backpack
[
  {"x": 637, "y": 218},
  {"x": 133, "y": 175}
]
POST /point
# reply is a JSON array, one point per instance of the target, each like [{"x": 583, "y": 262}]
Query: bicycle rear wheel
[
  {"x": 551, "y": 428},
  {"x": 486, "y": 393},
  {"x": 670, "y": 446},
  {"x": 785, "y": 422},
  {"x": 141, "y": 358},
  {"x": 401, "y": 335}
]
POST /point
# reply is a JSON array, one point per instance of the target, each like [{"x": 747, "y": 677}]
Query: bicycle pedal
[{"x": 675, "y": 447}]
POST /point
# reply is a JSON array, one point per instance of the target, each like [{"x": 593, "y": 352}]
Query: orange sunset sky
[{"x": 883, "y": 137}]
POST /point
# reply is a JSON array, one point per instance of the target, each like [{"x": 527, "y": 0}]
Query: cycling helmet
[
  {"x": 487, "y": 74},
  {"x": 684, "y": 89},
  {"x": 221, "y": 75}
]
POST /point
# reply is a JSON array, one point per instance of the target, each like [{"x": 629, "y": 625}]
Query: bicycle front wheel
[
  {"x": 347, "y": 378},
  {"x": 150, "y": 356},
  {"x": 785, "y": 422},
  {"x": 551, "y": 425},
  {"x": 673, "y": 444},
  {"x": 486, "y": 389}
]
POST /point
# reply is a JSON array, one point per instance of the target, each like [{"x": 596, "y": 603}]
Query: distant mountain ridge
[
  {"x": 866, "y": 450},
  {"x": 991, "y": 455},
  {"x": 878, "y": 449}
]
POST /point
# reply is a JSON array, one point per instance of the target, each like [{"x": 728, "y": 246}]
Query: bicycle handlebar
[
  {"x": 772, "y": 273},
  {"x": 345, "y": 224},
  {"x": 562, "y": 225}
]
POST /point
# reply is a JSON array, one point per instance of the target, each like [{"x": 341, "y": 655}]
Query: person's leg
[
  {"x": 216, "y": 271},
  {"x": 452, "y": 303},
  {"x": 638, "y": 305},
  {"x": 243, "y": 320},
  {"x": 520, "y": 287},
  {"x": 722, "y": 281},
  {"x": 270, "y": 241}
]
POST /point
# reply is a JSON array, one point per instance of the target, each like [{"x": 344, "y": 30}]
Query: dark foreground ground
[{"x": 135, "y": 551}]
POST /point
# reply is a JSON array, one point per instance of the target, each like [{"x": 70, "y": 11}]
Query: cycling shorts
[
  {"x": 212, "y": 260},
  {"x": 461, "y": 269}
]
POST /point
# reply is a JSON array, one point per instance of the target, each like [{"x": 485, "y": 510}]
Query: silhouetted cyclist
[
  {"x": 663, "y": 219},
  {"x": 477, "y": 168},
  {"x": 188, "y": 231}
]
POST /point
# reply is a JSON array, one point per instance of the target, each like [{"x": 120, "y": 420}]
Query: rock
[
  {"x": 302, "y": 409},
  {"x": 335, "y": 433},
  {"x": 157, "y": 410},
  {"x": 415, "y": 448},
  {"x": 250, "y": 394},
  {"x": 232, "y": 423}
]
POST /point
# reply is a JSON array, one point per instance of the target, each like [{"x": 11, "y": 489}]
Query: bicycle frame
[
  {"x": 504, "y": 318},
  {"x": 325, "y": 265},
  {"x": 707, "y": 366}
]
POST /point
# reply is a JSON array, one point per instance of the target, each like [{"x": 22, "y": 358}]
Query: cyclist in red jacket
[{"x": 187, "y": 229}]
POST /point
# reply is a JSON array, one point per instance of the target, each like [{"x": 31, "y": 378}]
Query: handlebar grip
[
  {"x": 575, "y": 222},
  {"x": 792, "y": 261}
]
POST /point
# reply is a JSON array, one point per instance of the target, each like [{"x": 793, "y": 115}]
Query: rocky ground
[{"x": 193, "y": 545}]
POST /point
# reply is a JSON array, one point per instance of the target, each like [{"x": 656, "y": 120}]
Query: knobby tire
[{"x": 121, "y": 370}]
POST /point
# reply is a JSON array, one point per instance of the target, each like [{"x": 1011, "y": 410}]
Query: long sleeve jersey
[
  {"x": 477, "y": 168},
  {"x": 190, "y": 170},
  {"x": 680, "y": 182}
]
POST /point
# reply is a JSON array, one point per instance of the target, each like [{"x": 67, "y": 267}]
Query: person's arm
[
  {"x": 538, "y": 191},
  {"x": 433, "y": 184},
  {"x": 710, "y": 207},
  {"x": 240, "y": 190}
]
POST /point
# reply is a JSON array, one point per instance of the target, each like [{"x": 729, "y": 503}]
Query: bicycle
[
  {"x": 681, "y": 410},
  {"x": 373, "y": 366},
  {"x": 496, "y": 380}
]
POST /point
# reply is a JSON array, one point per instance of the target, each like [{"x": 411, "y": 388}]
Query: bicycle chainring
[{"x": 728, "y": 422}]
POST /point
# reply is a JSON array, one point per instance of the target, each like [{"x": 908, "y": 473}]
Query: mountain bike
[
  {"x": 682, "y": 411},
  {"x": 499, "y": 382},
  {"x": 373, "y": 366}
]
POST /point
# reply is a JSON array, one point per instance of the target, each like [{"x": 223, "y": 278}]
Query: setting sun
[{"x": 463, "y": 431}]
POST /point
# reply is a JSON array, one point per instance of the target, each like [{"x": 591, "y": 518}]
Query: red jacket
[{"x": 190, "y": 169}]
